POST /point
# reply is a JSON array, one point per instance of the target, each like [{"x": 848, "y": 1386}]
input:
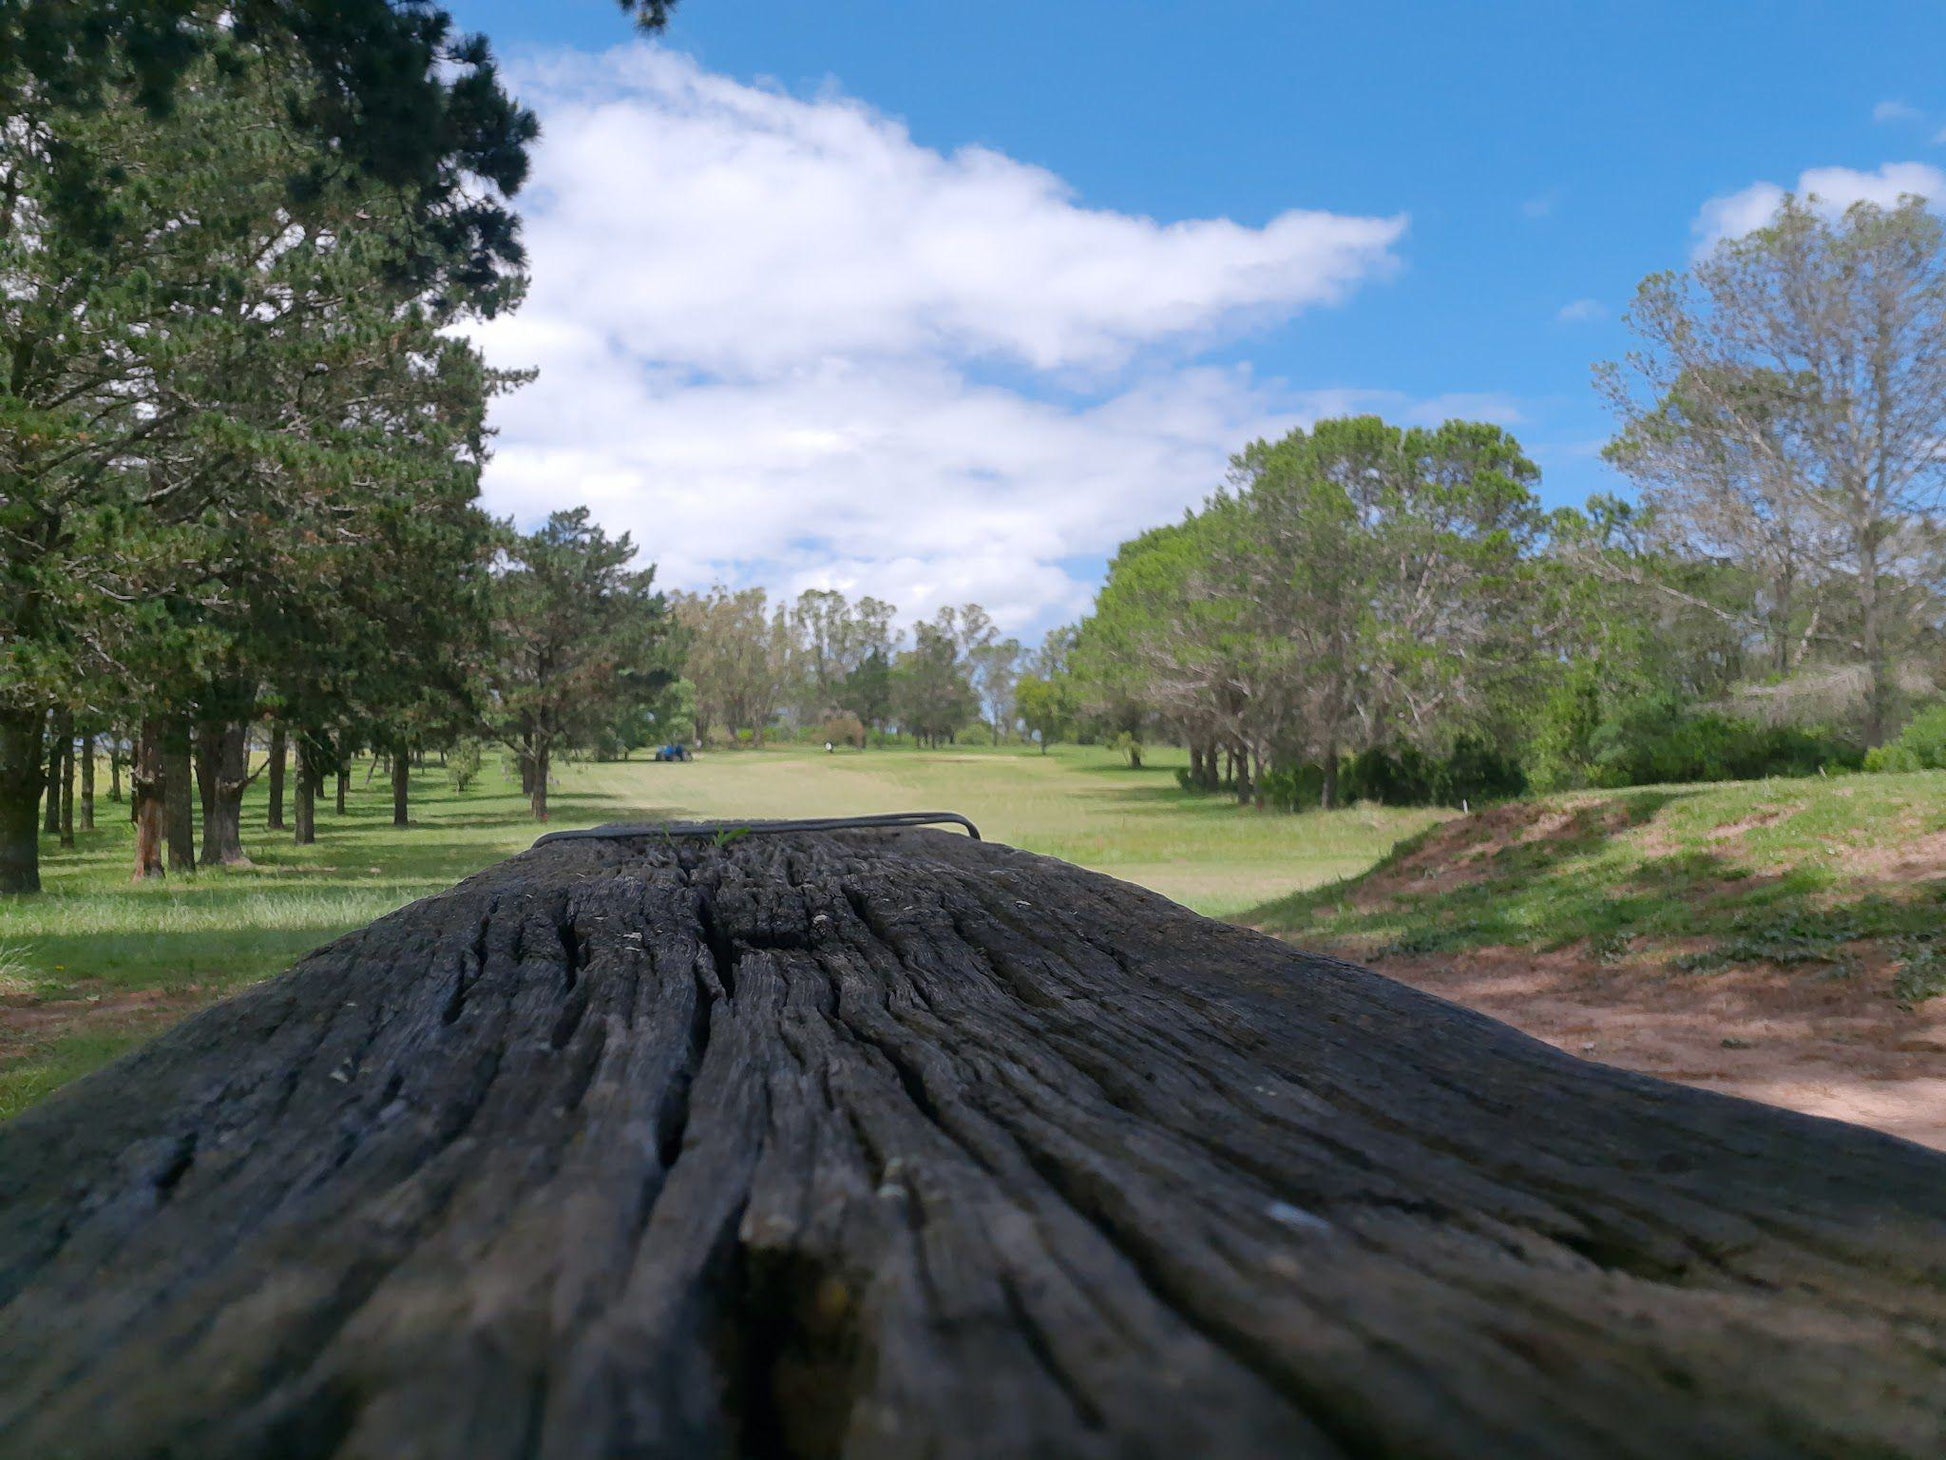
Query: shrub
[
  {"x": 1660, "y": 739},
  {"x": 842, "y": 729},
  {"x": 463, "y": 764},
  {"x": 1920, "y": 747},
  {"x": 1471, "y": 771}
]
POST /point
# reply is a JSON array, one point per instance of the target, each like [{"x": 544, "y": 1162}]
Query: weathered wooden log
[{"x": 895, "y": 1144}]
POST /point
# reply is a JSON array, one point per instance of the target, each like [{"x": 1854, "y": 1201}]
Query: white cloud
[
  {"x": 1835, "y": 188},
  {"x": 1581, "y": 311},
  {"x": 1896, "y": 111},
  {"x": 1538, "y": 207},
  {"x": 783, "y": 343}
]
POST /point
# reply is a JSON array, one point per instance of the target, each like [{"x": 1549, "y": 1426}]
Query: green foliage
[
  {"x": 1046, "y": 706},
  {"x": 1472, "y": 772},
  {"x": 867, "y": 689},
  {"x": 1922, "y": 968},
  {"x": 231, "y": 409},
  {"x": 579, "y": 637},
  {"x": 1361, "y": 584},
  {"x": 932, "y": 692},
  {"x": 1658, "y": 739},
  {"x": 1920, "y": 747},
  {"x": 843, "y": 728},
  {"x": 463, "y": 764},
  {"x": 1743, "y": 408}
]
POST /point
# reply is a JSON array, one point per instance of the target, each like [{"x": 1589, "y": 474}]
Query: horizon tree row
[{"x": 824, "y": 661}]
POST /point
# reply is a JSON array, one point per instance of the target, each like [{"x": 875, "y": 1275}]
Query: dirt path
[{"x": 1841, "y": 1048}]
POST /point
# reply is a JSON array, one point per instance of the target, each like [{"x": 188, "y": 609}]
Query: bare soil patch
[
  {"x": 28, "y": 1025},
  {"x": 1461, "y": 853},
  {"x": 1897, "y": 861},
  {"x": 1825, "y": 1044}
]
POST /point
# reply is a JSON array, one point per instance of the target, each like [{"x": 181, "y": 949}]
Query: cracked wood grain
[{"x": 893, "y": 1144}]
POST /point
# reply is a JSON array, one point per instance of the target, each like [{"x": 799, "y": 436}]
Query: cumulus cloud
[
  {"x": 1581, "y": 311},
  {"x": 1896, "y": 111},
  {"x": 1835, "y": 188},
  {"x": 782, "y": 342}
]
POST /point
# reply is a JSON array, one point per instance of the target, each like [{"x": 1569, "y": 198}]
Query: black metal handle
[{"x": 764, "y": 828}]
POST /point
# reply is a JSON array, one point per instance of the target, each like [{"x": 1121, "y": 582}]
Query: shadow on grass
[
  {"x": 1123, "y": 768},
  {"x": 214, "y": 959}
]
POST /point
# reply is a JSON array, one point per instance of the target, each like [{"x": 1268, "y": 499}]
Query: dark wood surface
[{"x": 907, "y": 1145}]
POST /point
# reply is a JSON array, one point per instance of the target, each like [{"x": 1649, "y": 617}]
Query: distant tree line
[{"x": 841, "y": 669}]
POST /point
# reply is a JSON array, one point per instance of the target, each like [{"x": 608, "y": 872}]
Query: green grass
[
  {"x": 95, "y": 964},
  {"x": 1816, "y": 875}
]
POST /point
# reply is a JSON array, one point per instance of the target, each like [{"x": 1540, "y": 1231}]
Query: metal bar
[{"x": 885, "y": 820}]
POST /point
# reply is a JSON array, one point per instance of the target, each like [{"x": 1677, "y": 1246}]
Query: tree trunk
[
  {"x": 401, "y": 786},
  {"x": 310, "y": 775},
  {"x": 1878, "y": 706},
  {"x": 22, "y": 735},
  {"x": 88, "y": 781},
  {"x": 908, "y": 1145},
  {"x": 59, "y": 724},
  {"x": 344, "y": 784},
  {"x": 223, "y": 773},
  {"x": 537, "y": 798},
  {"x": 178, "y": 794},
  {"x": 279, "y": 753},
  {"x": 526, "y": 759},
  {"x": 1328, "y": 799},
  {"x": 67, "y": 785},
  {"x": 145, "y": 776},
  {"x": 115, "y": 766}
]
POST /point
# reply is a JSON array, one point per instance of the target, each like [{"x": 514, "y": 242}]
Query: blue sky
[{"x": 1468, "y": 196}]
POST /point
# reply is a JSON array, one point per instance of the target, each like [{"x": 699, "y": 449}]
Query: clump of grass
[
  {"x": 17, "y": 976},
  {"x": 1922, "y": 969},
  {"x": 1801, "y": 936}
]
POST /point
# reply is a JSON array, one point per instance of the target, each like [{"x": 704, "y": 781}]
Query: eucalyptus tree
[
  {"x": 1044, "y": 694},
  {"x": 995, "y": 672},
  {"x": 1164, "y": 643},
  {"x": 832, "y": 637},
  {"x": 1383, "y": 576},
  {"x": 1788, "y": 403},
  {"x": 742, "y": 655},
  {"x": 932, "y": 692}
]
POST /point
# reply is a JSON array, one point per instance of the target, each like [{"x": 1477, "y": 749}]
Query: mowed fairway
[
  {"x": 95, "y": 965},
  {"x": 1082, "y": 805}
]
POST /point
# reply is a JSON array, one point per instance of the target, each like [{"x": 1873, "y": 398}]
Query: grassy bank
[
  {"x": 95, "y": 964},
  {"x": 1832, "y": 878}
]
